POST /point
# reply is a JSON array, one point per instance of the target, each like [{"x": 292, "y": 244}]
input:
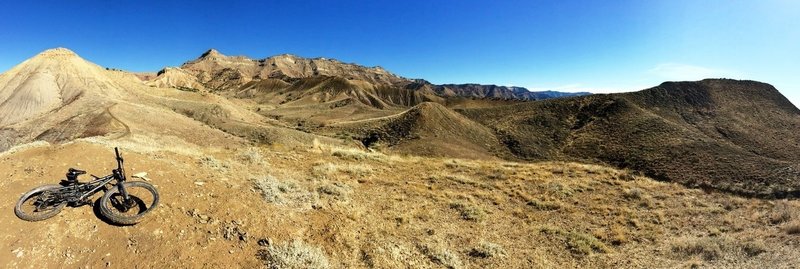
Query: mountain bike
[{"x": 124, "y": 202}]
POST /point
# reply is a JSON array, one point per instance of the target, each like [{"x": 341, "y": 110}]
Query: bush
[
  {"x": 780, "y": 213},
  {"x": 541, "y": 205},
  {"x": 633, "y": 194},
  {"x": 251, "y": 156},
  {"x": 357, "y": 155},
  {"x": 487, "y": 250},
  {"x": 442, "y": 257},
  {"x": 286, "y": 192},
  {"x": 792, "y": 228},
  {"x": 293, "y": 255},
  {"x": 577, "y": 242},
  {"x": 712, "y": 248},
  {"x": 469, "y": 212},
  {"x": 213, "y": 163}
]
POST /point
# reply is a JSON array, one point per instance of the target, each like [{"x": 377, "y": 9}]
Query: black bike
[{"x": 123, "y": 202}]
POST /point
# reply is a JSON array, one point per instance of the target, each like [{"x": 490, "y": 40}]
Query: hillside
[
  {"x": 428, "y": 129},
  {"x": 735, "y": 136}
]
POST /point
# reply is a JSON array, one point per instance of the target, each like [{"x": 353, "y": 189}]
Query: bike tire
[
  {"x": 113, "y": 214},
  {"x": 20, "y": 212}
]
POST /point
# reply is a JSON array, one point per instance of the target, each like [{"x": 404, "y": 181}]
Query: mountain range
[
  {"x": 289, "y": 162},
  {"x": 730, "y": 135}
]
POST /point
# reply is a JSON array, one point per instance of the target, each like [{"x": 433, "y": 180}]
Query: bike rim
[
  {"x": 140, "y": 202},
  {"x": 36, "y": 207}
]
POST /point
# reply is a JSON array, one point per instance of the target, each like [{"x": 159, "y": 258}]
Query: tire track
[{"x": 127, "y": 128}]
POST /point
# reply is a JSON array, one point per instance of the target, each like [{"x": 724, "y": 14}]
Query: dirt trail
[{"x": 127, "y": 128}]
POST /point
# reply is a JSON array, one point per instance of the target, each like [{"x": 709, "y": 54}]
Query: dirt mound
[
  {"x": 427, "y": 129},
  {"x": 737, "y": 136},
  {"x": 49, "y": 81},
  {"x": 172, "y": 77}
]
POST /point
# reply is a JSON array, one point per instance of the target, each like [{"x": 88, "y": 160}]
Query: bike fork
[{"x": 126, "y": 200}]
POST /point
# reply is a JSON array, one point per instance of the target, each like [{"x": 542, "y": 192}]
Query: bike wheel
[
  {"x": 143, "y": 196},
  {"x": 35, "y": 205}
]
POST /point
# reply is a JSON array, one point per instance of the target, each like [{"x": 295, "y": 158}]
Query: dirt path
[{"x": 127, "y": 128}]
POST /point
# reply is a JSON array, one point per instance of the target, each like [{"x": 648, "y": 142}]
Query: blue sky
[{"x": 599, "y": 46}]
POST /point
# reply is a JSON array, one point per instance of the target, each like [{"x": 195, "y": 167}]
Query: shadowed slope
[{"x": 731, "y": 135}]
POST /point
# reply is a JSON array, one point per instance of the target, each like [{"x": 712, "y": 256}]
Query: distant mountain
[{"x": 214, "y": 71}]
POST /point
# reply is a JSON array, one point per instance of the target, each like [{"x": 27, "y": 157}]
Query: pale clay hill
[{"x": 324, "y": 172}]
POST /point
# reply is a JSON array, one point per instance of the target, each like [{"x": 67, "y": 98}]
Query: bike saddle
[{"x": 76, "y": 171}]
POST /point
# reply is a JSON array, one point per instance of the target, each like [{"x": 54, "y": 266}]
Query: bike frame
[
  {"x": 96, "y": 185},
  {"x": 70, "y": 193}
]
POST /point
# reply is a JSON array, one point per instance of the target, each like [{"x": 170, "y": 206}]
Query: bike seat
[{"x": 76, "y": 171}]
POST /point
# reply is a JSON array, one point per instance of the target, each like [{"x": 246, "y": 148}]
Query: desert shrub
[
  {"x": 213, "y": 163},
  {"x": 468, "y": 211},
  {"x": 633, "y": 194},
  {"x": 251, "y": 156},
  {"x": 293, "y": 255},
  {"x": 282, "y": 192},
  {"x": 617, "y": 236},
  {"x": 712, "y": 248},
  {"x": 442, "y": 257},
  {"x": 357, "y": 155},
  {"x": 559, "y": 189},
  {"x": 543, "y": 205},
  {"x": 337, "y": 190},
  {"x": 780, "y": 213},
  {"x": 324, "y": 169},
  {"x": 487, "y": 250},
  {"x": 577, "y": 242},
  {"x": 792, "y": 227}
]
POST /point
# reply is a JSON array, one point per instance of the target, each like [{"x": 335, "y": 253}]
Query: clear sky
[{"x": 597, "y": 46}]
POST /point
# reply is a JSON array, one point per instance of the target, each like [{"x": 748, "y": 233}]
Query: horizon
[{"x": 572, "y": 47}]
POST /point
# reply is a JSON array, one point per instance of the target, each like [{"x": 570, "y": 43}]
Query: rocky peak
[
  {"x": 62, "y": 52},
  {"x": 212, "y": 53}
]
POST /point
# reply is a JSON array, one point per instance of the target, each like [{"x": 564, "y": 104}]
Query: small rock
[
  {"x": 199, "y": 183},
  {"x": 18, "y": 252}
]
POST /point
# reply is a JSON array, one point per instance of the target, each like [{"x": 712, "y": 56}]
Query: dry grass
[
  {"x": 213, "y": 163},
  {"x": 792, "y": 227},
  {"x": 442, "y": 256},
  {"x": 251, "y": 156},
  {"x": 293, "y": 255},
  {"x": 469, "y": 211},
  {"x": 542, "y": 205},
  {"x": 283, "y": 192},
  {"x": 577, "y": 242},
  {"x": 327, "y": 170},
  {"x": 713, "y": 248},
  {"x": 782, "y": 212},
  {"x": 357, "y": 155},
  {"x": 336, "y": 190},
  {"x": 488, "y": 250}
]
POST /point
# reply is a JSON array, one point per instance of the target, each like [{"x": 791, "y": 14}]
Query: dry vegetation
[{"x": 334, "y": 207}]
